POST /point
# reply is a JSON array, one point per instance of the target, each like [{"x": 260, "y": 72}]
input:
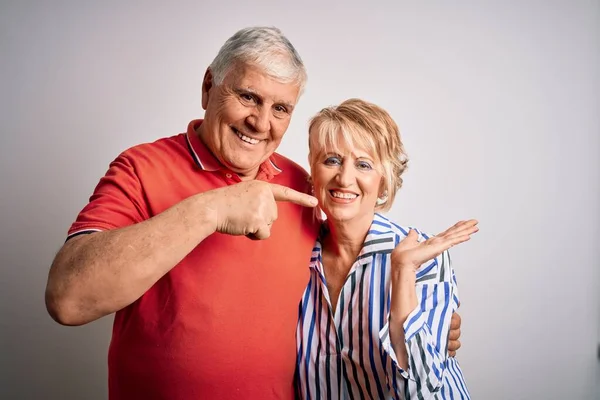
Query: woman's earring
[
  {"x": 381, "y": 200},
  {"x": 310, "y": 183}
]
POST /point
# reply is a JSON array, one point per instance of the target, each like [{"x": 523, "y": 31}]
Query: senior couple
[{"x": 224, "y": 282}]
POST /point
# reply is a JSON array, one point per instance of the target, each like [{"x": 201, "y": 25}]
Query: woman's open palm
[{"x": 410, "y": 253}]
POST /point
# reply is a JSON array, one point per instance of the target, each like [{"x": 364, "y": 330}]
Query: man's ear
[{"x": 207, "y": 84}]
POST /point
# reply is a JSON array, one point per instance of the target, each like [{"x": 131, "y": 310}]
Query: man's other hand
[{"x": 454, "y": 335}]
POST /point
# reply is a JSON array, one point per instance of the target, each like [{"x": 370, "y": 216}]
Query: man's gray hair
[{"x": 264, "y": 47}]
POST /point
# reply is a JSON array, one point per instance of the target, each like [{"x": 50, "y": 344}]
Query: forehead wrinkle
[{"x": 242, "y": 74}]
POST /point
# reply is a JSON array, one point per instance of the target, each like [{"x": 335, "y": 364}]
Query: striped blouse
[{"x": 347, "y": 353}]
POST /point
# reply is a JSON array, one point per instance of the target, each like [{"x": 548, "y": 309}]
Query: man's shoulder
[
  {"x": 292, "y": 175},
  {"x": 163, "y": 144},
  {"x": 165, "y": 149},
  {"x": 288, "y": 166}
]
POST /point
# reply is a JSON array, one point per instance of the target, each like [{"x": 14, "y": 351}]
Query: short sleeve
[{"x": 118, "y": 201}]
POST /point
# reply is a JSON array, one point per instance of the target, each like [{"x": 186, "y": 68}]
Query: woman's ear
[
  {"x": 382, "y": 187},
  {"x": 383, "y": 193}
]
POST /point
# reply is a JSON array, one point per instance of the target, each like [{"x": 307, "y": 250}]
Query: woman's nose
[{"x": 345, "y": 175}]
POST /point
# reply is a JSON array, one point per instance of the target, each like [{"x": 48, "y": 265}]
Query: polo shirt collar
[{"x": 206, "y": 161}]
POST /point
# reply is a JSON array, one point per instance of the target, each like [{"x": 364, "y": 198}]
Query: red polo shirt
[{"x": 220, "y": 324}]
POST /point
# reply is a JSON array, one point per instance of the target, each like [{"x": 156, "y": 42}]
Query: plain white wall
[{"x": 498, "y": 103}]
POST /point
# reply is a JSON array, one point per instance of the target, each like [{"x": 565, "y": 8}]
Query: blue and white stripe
[{"x": 347, "y": 353}]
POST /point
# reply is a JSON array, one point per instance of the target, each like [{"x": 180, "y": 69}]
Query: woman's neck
[{"x": 345, "y": 239}]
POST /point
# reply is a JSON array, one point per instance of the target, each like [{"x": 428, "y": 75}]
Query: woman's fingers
[
  {"x": 412, "y": 252},
  {"x": 459, "y": 229},
  {"x": 463, "y": 232},
  {"x": 435, "y": 245},
  {"x": 444, "y": 243},
  {"x": 457, "y": 225}
]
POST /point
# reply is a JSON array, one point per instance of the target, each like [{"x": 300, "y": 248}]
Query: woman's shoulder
[
  {"x": 436, "y": 270},
  {"x": 382, "y": 223}
]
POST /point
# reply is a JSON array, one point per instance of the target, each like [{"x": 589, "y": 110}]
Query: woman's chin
[
  {"x": 343, "y": 216},
  {"x": 334, "y": 215}
]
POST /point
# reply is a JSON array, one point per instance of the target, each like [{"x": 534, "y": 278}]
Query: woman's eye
[
  {"x": 364, "y": 165},
  {"x": 332, "y": 161}
]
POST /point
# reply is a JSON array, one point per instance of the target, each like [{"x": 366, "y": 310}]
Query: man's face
[{"x": 246, "y": 117}]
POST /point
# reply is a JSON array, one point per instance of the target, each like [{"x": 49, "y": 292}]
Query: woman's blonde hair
[{"x": 358, "y": 123}]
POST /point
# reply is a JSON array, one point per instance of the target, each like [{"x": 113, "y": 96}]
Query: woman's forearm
[{"x": 403, "y": 302}]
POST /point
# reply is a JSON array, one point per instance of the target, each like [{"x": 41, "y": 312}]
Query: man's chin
[{"x": 245, "y": 171}]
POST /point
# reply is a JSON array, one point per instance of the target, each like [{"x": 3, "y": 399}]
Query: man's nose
[{"x": 260, "y": 119}]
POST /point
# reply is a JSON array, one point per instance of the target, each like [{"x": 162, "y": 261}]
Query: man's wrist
[{"x": 206, "y": 213}]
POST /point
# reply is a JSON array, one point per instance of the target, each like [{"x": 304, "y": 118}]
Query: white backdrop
[{"x": 498, "y": 103}]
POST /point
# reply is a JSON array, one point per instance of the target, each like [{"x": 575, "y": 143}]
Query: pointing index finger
[{"x": 284, "y": 193}]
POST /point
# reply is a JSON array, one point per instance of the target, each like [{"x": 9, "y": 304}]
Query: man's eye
[
  {"x": 247, "y": 97},
  {"x": 281, "y": 109}
]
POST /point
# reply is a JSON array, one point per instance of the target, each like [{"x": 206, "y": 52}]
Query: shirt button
[{"x": 228, "y": 176}]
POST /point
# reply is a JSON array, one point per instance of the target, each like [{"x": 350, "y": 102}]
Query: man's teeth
[
  {"x": 340, "y": 195},
  {"x": 246, "y": 138}
]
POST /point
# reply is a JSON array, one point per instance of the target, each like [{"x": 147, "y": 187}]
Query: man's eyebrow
[
  {"x": 240, "y": 90},
  {"x": 289, "y": 106}
]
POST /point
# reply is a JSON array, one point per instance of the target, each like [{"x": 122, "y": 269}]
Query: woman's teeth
[{"x": 340, "y": 195}]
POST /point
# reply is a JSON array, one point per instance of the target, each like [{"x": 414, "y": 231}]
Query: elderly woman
[{"x": 375, "y": 316}]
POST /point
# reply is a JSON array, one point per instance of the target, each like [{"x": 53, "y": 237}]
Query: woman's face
[{"x": 347, "y": 182}]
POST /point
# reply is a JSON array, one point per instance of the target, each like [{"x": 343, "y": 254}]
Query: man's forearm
[{"x": 97, "y": 274}]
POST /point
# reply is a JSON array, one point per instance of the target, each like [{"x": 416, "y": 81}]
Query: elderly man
[{"x": 202, "y": 311}]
